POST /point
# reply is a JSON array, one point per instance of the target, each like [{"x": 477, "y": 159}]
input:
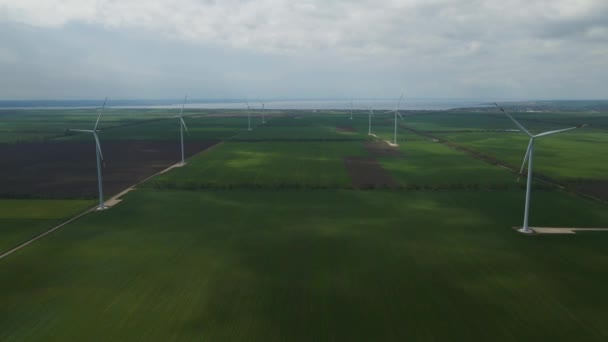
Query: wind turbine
[
  {"x": 98, "y": 153},
  {"x": 248, "y": 116},
  {"x": 371, "y": 113},
  {"x": 351, "y": 109},
  {"x": 397, "y": 113},
  {"x": 182, "y": 126},
  {"x": 529, "y": 157},
  {"x": 263, "y": 114}
]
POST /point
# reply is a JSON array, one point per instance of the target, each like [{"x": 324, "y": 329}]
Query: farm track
[
  {"x": 591, "y": 193},
  {"x": 109, "y": 203},
  {"x": 40, "y": 236}
]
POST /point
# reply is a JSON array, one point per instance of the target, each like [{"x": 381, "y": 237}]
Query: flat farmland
[
  {"x": 307, "y": 229},
  {"x": 266, "y": 164},
  {"x": 428, "y": 164},
  {"x": 565, "y": 156},
  {"x": 383, "y": 126},
  {"x": 69, "y": 169},
  {"x": 270, "y": 132},
  {"x": 17, "y": 126},
  {"x": 21, "y": 220},
  {"x": 313, "y": 266},
  {"x": 167, "y": 129},
  {"x": 457, "y": 121}
]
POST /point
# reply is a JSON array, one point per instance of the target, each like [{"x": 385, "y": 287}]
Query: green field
[
  {"x": 566, "y": 156},
  {"x": 21, "y": 220},
  {"x": 266, "y": 164},
  {"x": 431, "y": 164},
  {"x": 264, "y": 237},
  {"x": 312, "y": 265}
]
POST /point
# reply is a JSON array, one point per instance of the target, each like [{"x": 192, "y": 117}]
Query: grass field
[
  {"x": 565, "y": 156},
  {"x": 431, "y": 164},
  {"x": 266, "y": 164},
  {"x": 312, "y": 265},
  {"x": 263, "y": 237},
  {"x": 21, "y": 220},
  {"x": 42, "y": 125}
]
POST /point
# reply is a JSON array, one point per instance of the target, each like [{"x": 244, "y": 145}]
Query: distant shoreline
[{"x": 316, "y": 104}]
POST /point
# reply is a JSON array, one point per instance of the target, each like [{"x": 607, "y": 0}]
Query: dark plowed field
[
  {"x": 381, "y": 149},
  {"x": 367, "y": 173},
  {"x": 597, "y": 189},
  {"x": 68, "y": 169},
  {"x": 345, "y": 129}
]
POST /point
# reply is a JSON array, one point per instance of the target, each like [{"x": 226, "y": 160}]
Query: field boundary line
[
  {"x": 500, "y": 163},
  {"x": 113, "y": 201},
  {"x": 40, "y": 236}
]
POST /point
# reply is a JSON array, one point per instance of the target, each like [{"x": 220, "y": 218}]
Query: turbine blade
[
  {"x": 183, "y": 104},
  {"x": 184, "y": 124},
  {"x": 98, "y": 145},
  {"x": 553, "y": 132},
  {"x": 100, "y": 112},
  {"x": 81, "y": 130},
  {"x": 399, "y": 103},
  {"x": 401, "y": 116},
  {"x": 523, "y": 164},
  {"x": 522, "y": 128}
]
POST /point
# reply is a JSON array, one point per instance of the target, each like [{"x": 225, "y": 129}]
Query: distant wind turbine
[
  {"x": 351, "y": 109},
  {"x": 397, "y": 114},
  {"x": 529, "y": 157},
  {"x": 371, "y": 113},
  {"x": 263, "y": 114},
  {"x": 182, "y": 127},
  {"x": 98, "y": 153},
  {"x": 248, "y": 115}
]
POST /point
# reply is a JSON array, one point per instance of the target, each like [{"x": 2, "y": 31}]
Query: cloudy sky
[{"x": 84, "y": 49}]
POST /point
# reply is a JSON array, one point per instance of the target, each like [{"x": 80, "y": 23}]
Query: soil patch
[
  {"x": 597, "y": 189},
  {"x": 381, "y": 149},
  {"x": 367, "y": 173},
  {"x": 345, "y": 129},
  {"x": 69, "y": 169}
]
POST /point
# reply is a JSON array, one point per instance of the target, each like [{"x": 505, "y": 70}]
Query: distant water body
[{"x": 377, "y": 104}]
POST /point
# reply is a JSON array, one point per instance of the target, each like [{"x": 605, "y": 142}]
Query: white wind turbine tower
[
  {"x": 263, "y": 114},
  {"x": 351, "y": 109},
  {"x": 248, "y": 115},
  {"x": 97, "y": 152},
  {"x": 529, "y": 157},
  {"x": 397, "y": 113},
  {"x": 182, "y": 127},
  {"x": 371, "y": 113}
]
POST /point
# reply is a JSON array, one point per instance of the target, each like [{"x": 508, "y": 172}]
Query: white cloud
[
  {"x": 284, "y": 26},
  {"x": 8, "y": 56},
  {"x": 436, "y": 47}
]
